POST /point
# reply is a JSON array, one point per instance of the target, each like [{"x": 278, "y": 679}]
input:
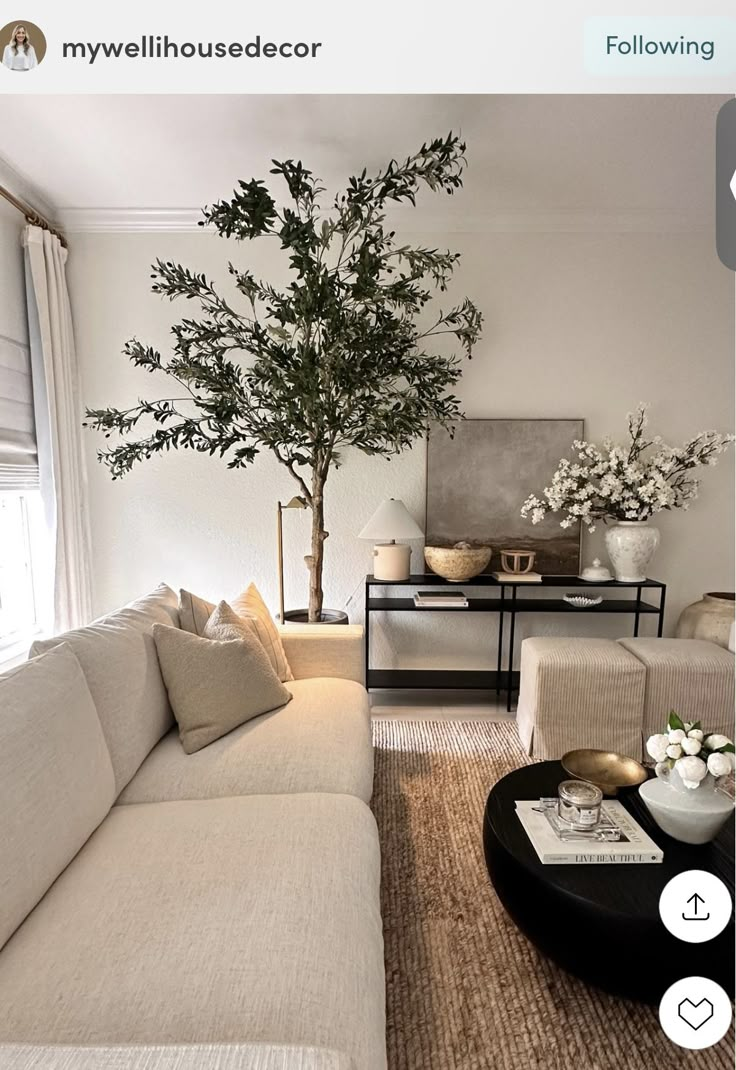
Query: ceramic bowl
[
  {"x": 582, "y": 601},
  {"x": 457, "y": 564}
]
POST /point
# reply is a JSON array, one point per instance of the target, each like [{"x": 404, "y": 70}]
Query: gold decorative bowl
[
  {"x": 457, "y": 563},
  {"x": 608, "y": 770}
]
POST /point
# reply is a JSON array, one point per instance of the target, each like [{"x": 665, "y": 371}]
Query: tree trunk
[{"x": 315, "y": 560}]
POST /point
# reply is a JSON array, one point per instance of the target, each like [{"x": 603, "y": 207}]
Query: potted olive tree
[{"x": 351, "y": 353}]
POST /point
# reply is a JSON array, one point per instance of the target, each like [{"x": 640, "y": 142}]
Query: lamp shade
[{"x": 391, "y": 520}]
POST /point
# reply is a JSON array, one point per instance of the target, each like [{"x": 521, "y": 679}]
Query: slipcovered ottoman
[
  {"x": 580, "y": 693},
  {"x": 691, "y": 676}
]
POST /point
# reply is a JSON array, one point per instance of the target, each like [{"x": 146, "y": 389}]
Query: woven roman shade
[{"x": 18, "y": 455}]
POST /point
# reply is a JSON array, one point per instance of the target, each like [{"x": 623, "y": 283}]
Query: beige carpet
[{"x": 465, "y": 990}]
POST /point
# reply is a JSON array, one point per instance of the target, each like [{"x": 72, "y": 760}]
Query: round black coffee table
[{"x": 601, "y": 922}]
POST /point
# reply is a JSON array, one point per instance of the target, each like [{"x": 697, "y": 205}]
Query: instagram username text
[{"x": 163, "y": 47}]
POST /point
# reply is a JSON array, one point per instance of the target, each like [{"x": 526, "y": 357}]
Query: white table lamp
[{"x": 391, "y": 521}]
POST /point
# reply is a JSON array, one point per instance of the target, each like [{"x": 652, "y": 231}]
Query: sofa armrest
[
  {"x": 172, "y": 1057},
  {"x": 324, "y": 650}
]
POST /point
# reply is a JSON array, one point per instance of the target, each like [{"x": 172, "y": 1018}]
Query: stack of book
[
  {"x": 633, "y": 846},
  {"x": 517, "y": 577},
  {"x": 440, "y": 600}
]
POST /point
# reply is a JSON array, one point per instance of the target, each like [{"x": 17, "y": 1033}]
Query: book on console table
[
  {"x": 435, "y": 599},
  {"x": 517, "y": 577},
  {"x": 634, "y": 846}
]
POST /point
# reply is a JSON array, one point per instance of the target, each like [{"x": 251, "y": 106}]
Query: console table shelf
[{"x": 514, "y": 598}]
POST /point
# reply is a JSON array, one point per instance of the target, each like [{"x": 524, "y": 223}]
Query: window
[{"x": 20, "y": 524}]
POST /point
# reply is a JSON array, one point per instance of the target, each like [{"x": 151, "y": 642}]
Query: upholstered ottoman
[
  {"x": 579, "y": 693},
  {"x": 691, "y": 676}
]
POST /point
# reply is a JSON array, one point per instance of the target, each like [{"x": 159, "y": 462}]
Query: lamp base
[{"x": 392, "y": 562}]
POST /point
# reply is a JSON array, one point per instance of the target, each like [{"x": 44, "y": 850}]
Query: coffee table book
[{"x": 636, "y": 848}]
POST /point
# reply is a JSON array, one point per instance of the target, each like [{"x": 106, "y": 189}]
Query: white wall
[{"x": 577, "y": 324}]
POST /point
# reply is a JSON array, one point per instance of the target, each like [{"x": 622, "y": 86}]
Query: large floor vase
[
  {"x": 711, "y": 618},
  {"x": 631, "y": 545}
]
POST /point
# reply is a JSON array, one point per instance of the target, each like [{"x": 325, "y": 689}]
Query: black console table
[{"x": 508, "y": 599}]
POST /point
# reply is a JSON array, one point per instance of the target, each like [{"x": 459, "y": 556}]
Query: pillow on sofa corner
[
  {"x": 194, "y": 612},
  {"x": 249, "y": 604},
  {"x": 225, "y": 624},
  {"x": 215, "y": 686}
]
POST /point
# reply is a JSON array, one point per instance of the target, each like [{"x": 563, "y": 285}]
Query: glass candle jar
[{"x": 579, "y": 804}]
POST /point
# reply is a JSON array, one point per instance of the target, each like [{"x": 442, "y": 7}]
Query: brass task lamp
[{"x": 296, "y": 502}]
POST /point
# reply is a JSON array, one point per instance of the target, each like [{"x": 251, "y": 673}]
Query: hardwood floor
[{"x": 438, "y": 706}]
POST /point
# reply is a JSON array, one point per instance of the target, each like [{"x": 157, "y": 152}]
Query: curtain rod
[{"x": 31, "y": 215}]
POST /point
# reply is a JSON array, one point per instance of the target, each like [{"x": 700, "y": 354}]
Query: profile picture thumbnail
[{"x": 23, "y": 45}]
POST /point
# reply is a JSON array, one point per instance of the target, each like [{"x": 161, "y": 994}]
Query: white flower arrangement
[
  {"x": 626, "y": 482},
  {"x": 692, "y": 752}
]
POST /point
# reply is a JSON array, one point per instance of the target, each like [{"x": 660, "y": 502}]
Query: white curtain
[{"x": 58, "y": 431}]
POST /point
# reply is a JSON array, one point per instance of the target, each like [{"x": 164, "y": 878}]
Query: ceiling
[{"x": 598, "y": 154}]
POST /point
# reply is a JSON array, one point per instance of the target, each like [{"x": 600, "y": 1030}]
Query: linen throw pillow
[
  {"x": 215, "y": 686},
  {"x": 250, "y": 604},
  {"x": 194, "y": 612}
]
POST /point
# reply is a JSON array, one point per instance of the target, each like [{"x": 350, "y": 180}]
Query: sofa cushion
[
  {"x": 172, "y": 1057},
  {"x": 219, "y": 921},
  {"x": 56, "y": 780},
  {"x": 320, "y": 742},
  {"x": 118, "y": 656},
  {"x": 215, "y": 686}
]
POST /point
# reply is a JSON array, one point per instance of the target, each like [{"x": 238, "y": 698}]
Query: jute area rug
[{"x": 465, "y": 990}]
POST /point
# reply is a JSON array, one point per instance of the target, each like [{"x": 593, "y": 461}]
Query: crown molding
[
  {"x": 521, "y": 221},
  {"x": 25, "y": 191}
]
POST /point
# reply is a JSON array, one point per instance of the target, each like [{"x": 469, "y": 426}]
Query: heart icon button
[{"x": 695, "y": 1014}]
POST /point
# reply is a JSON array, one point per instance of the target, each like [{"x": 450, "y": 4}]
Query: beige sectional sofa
[{"x": 163, "y": 911}]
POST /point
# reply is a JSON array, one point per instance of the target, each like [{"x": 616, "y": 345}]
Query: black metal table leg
[
  {"x": 510, "y": 663},
  {"x": 637, "y": 614},
  {"x": 660, "y": 625},
  {"x": 366, "y": 645},
  {"x": 499, "y": 659}
]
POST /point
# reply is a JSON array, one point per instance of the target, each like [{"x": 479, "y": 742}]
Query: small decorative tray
[
  {"x": 606, "y": 831},
  {"x": 582, "y": 601}
]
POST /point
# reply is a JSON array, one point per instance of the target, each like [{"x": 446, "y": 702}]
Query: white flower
[
  {"x": 691, "y": 770},
  {"x": 720, "y": 764},
  {"x": 715, "y": 741},
  {"x": 657, "y": 747},
  {"x": 676, "y": 735},
  {"x": 662, "y": 769},
  {"x": 695, "y": 733},
  {"x": 691, "y": 746},
  {"x": 674, "y": 751}
]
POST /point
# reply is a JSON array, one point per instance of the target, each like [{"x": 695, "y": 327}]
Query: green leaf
[{"x": 675, "y": 722}]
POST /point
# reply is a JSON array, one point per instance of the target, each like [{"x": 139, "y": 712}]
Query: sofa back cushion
[
  {"x": 56, "y": 778},
  {"x": 118, "y": 656}
]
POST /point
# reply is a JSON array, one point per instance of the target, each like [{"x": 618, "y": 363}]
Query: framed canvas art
[{"x": 478, "y": 480}]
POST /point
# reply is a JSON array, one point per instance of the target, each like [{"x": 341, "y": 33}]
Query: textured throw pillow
[
  {"x": 225, "y": 624},
  {"x": 251, "y": 605},
  {"x": 215, "y": 686},
  {"x": 194, "y": 612}
]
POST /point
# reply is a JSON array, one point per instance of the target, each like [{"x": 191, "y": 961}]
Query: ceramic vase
[
  {"x": 690, "y": 815},
  {"x": 631, "y": 545},
  {"x": 711, "y": 618}
]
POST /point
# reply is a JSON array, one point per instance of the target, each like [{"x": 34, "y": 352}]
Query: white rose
[
  {"x": 719, "y": 764},
  {"x": 695, "y": 733},
  {"x": 657, "y": 747},
  {"x": 676, "y": 735},
  {"x": 674, "y": 751},
  {"x": 715, "y": 742},
  {"x": 691, "y": 746},
  {"x": 691, "y": 770}
]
